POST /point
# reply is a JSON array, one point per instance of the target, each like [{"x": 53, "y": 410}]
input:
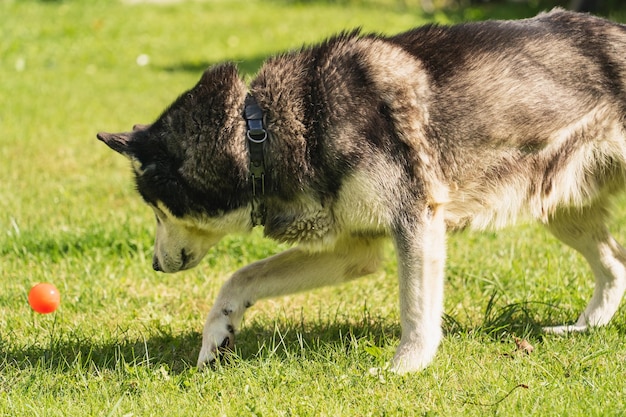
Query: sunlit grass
[{"x": 125, "y": 339}]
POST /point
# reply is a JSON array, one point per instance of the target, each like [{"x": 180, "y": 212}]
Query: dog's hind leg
[
  {"x": 288, "y": 272},
  {"x": 585, "y": 231},
  {"x": 421, "y": 248}
]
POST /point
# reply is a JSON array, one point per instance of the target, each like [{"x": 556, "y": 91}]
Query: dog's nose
[{"x": 155, "y": 264}]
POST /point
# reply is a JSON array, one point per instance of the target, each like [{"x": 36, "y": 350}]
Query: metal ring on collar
[{"x": 255, "y": 140}]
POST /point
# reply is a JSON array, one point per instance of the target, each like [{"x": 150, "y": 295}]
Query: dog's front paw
[
  {"x": 217, "y": 341},
  {"x": 412, "y": 358}
]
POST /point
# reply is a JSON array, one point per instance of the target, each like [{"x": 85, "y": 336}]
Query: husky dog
[{"x": 339, "y": 146}]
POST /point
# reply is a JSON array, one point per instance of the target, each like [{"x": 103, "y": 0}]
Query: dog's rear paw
[{"x": 566, "y": 329}]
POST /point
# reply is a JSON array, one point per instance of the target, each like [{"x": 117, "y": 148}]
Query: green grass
[{"x": 125, "y": 339}]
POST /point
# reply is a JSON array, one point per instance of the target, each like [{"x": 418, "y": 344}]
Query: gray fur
[{"x": 405, "y": 137}]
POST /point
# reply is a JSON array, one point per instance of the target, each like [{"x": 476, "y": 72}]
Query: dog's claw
[{"x": 225, "y": 347}]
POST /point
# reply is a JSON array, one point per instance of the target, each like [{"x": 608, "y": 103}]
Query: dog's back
[
  {"x": 515, "y": 81},
  {"x": 531, "y": 114}
]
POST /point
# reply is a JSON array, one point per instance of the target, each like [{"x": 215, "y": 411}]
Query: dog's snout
[{"x": 156, "y": 265}]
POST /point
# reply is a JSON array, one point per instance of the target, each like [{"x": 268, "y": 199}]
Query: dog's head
[{"x": 191, "y": 167}]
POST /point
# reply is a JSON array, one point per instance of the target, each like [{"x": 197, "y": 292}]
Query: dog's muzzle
[{"x": 184, "y": 260}]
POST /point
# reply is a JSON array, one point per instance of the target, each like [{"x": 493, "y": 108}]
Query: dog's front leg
[
  {"x": 421, "y": 247},
  {"x": 288, "y": 272}
]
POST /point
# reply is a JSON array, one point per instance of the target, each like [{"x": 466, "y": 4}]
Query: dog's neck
[{"x": 256, "y": 136}]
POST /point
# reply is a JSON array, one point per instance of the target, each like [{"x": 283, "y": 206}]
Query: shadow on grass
[
  {"x": 523, "y": 319},
  {"x": 72, "y": 351},
  {"x": 177, "y": 352}
]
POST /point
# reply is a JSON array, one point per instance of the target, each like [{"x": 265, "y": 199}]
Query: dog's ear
[
  {"x": 117, "y": 141},
  {"x": 220, "y": 76}
]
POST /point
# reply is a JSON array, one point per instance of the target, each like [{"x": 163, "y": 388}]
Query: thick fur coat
[{"x": 404, "y": 137}]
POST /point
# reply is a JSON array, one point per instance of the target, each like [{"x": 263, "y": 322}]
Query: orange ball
[{"x": 44, "y": 298}]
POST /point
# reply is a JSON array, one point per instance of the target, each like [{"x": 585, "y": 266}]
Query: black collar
[{"x": 256, "y": 137}]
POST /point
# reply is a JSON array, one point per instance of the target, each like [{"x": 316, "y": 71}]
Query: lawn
[{"x": 125, "y": 339}]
